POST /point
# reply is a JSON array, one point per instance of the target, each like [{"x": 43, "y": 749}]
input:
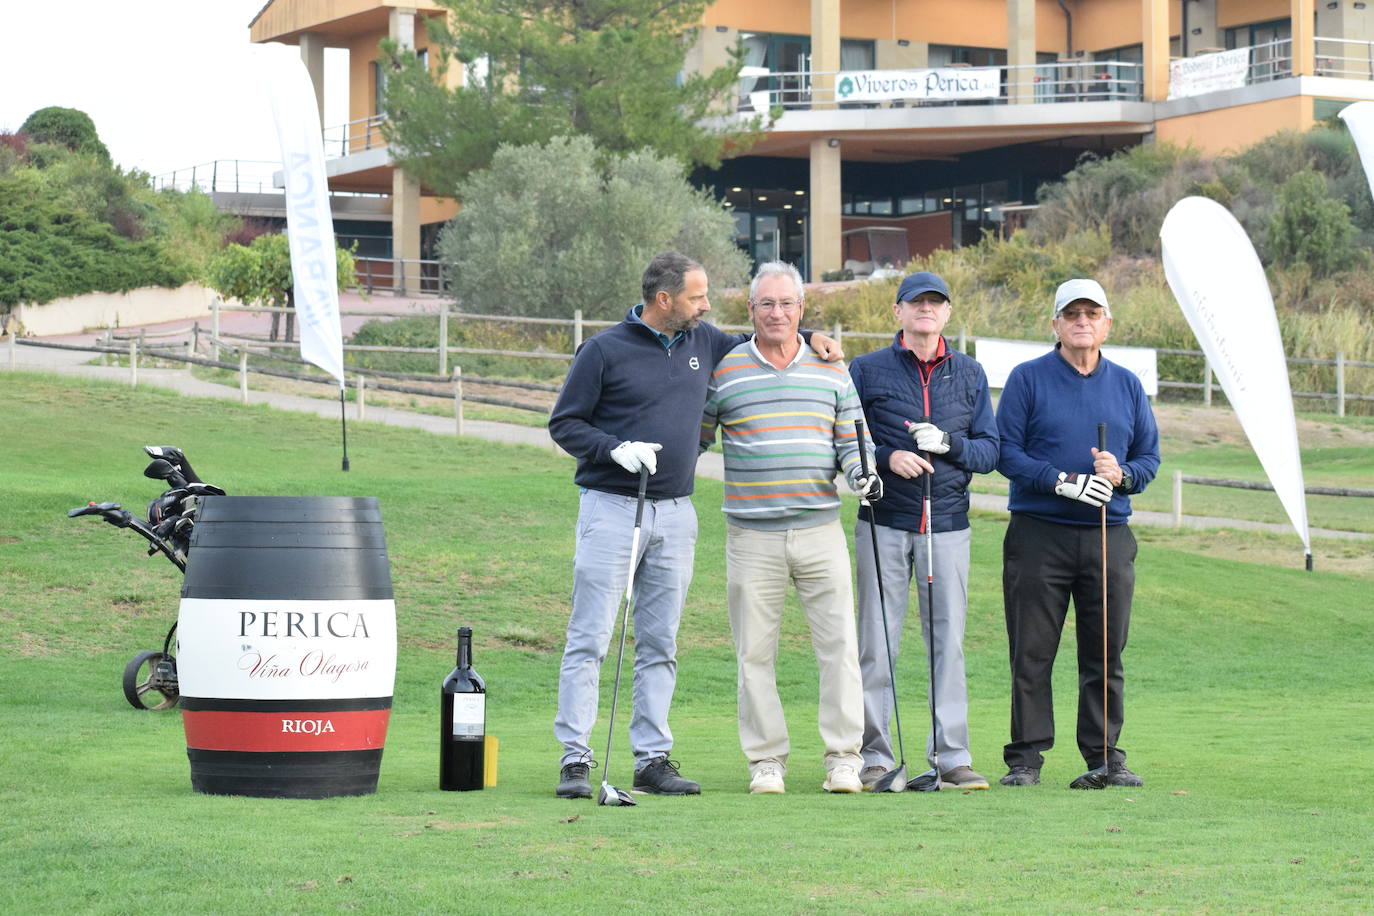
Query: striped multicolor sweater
[{"x": 784, "y": 432}]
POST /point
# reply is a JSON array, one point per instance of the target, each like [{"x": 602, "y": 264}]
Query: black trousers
[{"x": 1044, "y": 564}]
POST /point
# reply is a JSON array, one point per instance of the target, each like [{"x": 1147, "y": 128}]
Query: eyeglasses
[
  {"x": 788, "y": 306},
  {"x": 1072, "y": 314}
]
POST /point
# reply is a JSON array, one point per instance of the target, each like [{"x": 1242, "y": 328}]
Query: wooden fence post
[
  {"x": 443, "y": 338},
  {"x": 243, "y": 375},
  {"x": 963, "y": 339},
  {"x": 13, "y": 347},
  {"x": 577, "y": 329},
  {"x": 1178, "y": 498},
  {"x": 458, "y": 400},
  {"x": 214, "y": 328},
  {"x": 1206, "y": 383},
  {"x": 133, "y": 362},
  {"x": 1340, "y": 383},
  {"x": 362, "y": 397}
]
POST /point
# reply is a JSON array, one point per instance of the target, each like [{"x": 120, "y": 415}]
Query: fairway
[{"x": 1248, "y": 714}]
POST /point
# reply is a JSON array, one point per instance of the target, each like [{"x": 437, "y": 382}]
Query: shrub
[
  {"x": 66, "y": 127},
  {"x": 1310, "y": 227}
]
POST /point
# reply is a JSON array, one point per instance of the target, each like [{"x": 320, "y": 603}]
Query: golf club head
[
  {"x": 891, "y": 781},
  {"x": 926, "y": 782},
  {"x": 613, "y": 797},
  {"x": 1093, "y": 779}
]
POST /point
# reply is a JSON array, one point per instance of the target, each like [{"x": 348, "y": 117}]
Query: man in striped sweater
[{"x": 787, "y": 422}]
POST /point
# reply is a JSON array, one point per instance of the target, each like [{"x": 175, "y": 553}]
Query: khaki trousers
[{"x": 758, "y": 566}]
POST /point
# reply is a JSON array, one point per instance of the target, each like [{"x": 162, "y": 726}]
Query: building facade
[{"x": 911, "y": 125}]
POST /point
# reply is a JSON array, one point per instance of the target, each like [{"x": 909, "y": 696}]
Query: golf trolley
[{"x": 150, "y": 677}]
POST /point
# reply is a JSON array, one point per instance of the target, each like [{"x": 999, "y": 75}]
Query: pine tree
[{"x": 610, "y": 70}]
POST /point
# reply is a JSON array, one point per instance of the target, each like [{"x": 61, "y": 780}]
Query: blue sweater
[
  {"x": 1048, "y": 416},
  {"x": 625, "y": 386},
  {"x": 893, "y": 390}
]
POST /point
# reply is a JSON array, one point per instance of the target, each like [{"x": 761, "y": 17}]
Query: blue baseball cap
[{"x": 923, "y": 282}]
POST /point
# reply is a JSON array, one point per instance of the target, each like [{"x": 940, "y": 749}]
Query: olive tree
[
  {"x": 260, "y": 273},
  {"x": 554, "y": 227}
]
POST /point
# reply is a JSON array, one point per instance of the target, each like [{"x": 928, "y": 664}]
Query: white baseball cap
[{"x": 1073, "y": 290}]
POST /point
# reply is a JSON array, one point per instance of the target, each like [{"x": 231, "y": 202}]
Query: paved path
[{"x": 71, "y": 362}]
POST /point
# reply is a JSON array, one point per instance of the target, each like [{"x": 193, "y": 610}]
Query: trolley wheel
[{"x": 145, "y": 687}]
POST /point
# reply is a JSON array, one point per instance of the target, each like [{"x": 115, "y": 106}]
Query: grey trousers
[
  {"x": 667, "y": 543},
  {"x": 902, "y": 555}
]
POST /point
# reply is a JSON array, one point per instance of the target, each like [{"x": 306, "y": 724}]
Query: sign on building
[
  {"x": 1208, "y": 73},
  {"x": 939, "y": 84}
]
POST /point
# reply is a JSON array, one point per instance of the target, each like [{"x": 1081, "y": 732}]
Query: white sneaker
[
  {"x": 767, "y": 780},
  {"x": 843, "y": 779}
]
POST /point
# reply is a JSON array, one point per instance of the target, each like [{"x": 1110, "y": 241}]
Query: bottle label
[{"x": 469, "y": 715}]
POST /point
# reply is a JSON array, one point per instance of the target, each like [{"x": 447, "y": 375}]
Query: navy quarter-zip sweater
[
  {"x": 1048, "y": 416},
  {"x": 893, "y": 389},
  {"x": 624, "y": 386}
]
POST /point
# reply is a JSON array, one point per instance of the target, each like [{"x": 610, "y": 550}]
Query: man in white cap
[{"x": 1048, "y": 418}]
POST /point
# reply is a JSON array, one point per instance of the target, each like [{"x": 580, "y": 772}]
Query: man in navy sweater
[
  {"x": 633, "y": 398},
  {"x": 1048, "y": 416},
  {"x": 918, "y": 376}
]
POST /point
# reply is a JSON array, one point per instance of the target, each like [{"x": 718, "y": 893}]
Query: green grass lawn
[{"x": 1248, "y": 715}]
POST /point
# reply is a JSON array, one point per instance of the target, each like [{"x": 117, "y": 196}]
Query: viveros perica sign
[{"x": 944, "y": 83}]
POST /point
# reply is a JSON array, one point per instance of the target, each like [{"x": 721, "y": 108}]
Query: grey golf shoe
[
  {"x": 660, "y": 776},
  {"x": 1021, "y": 776},
  {"x": 963, "y": 777},
  {"x": 871, "y": 774},
  {"x": 573, "y": 781}
]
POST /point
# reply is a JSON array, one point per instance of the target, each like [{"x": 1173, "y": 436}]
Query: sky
[{"x": 169, "y": 83}]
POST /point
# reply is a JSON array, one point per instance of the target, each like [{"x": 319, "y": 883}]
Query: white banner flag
[
  {"x": 1219, "y": 283},
  {"x": 309, "y": 221}
]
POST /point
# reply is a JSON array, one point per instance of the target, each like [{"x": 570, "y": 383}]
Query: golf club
[
  {"x": 609, "y": 794},
  {"x": 893, "y": 780},
  {"x": 1097, "y": 778},
  {"x": 174, "y": 456},
  {"x": 930, "y": 782}
]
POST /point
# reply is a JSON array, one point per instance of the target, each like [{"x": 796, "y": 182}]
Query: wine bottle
[{"x": 463, "y": 722}]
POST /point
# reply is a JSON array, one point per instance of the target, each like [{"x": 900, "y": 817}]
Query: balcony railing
[
  {"x": 1061, "y": 81},
  {"x": 1345, "y": 58},
  {"x": 354, "y": 137},
  {"x": 229, "y": 176}
]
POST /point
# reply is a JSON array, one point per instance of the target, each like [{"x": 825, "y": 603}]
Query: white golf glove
[
  {"x": 635, "y": 455},
  {"x": 929, "y": 438},
  {"x": 870, "y": 488},
  {"x": 1086, "y": 488}
]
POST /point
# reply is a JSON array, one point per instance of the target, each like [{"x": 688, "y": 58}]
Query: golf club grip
[
  {"x": 863, "y": 446},
  {"x": 643, "y": 488},
  {"x": 1102, "y": 437}
]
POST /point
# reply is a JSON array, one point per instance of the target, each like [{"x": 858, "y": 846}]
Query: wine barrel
[{"x": 286, "y": 646}]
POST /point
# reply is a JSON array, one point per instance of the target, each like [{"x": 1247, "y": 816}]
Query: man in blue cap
[{"x": 920, "y": 396}]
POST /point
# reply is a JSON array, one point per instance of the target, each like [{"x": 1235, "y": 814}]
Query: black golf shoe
[
  {"x": 1119, "y": 775},
  {"x": 573, "y": 781},
  {"x": 1021, "y": 776},
  {"x": 660, "y": 777}
]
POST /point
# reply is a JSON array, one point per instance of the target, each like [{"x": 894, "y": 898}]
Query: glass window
[
  {"x": 856, "y": 54},
  {"x": 911, "y": 204}
]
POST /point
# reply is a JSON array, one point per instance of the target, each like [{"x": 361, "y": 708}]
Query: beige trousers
[{"x": 758, "y": 566}]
